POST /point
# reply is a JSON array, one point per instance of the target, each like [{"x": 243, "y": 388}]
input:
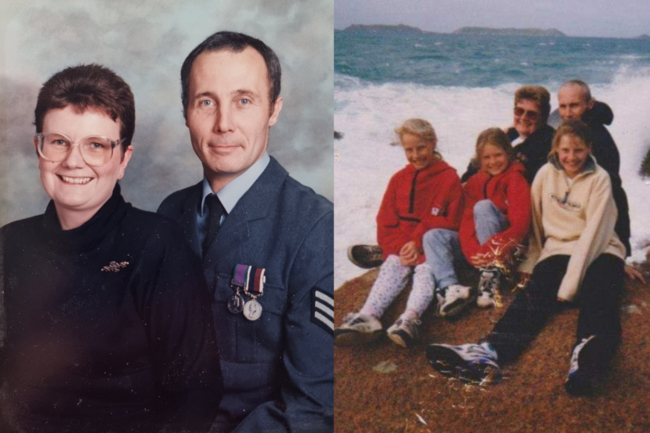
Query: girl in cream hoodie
[{"x": 574, "y": 256}]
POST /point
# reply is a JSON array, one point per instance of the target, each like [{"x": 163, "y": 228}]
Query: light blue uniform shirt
[{"x": 229, "y": 194}]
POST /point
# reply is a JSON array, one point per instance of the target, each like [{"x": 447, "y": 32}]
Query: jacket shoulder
[
  {"x": 172, "y": 205},
  {"x": 306, "y": 199}
]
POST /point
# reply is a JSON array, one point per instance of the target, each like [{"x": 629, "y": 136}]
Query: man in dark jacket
[
  {"x": 266, "y": 243},
  {"x": 575, "y": 102}
]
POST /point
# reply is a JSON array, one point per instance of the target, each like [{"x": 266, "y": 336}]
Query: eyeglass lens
[
  {"x": 520, "y": 112},
  {"x": 94, "y": 150}
]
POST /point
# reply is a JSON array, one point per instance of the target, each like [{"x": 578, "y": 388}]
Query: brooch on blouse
[{"x": 114, "y": 266}]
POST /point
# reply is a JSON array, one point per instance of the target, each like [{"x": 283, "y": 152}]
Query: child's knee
[
  {"x": 438, "y": 236},
  {"x": 484, "y": 208}
]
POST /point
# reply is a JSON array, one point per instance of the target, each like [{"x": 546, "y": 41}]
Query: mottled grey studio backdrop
[{"x": 145, "y": 42}]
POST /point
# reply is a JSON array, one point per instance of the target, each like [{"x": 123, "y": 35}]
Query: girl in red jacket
[
  {"x": 496, "y": 218},
  {"x": 424, "y": 195}
]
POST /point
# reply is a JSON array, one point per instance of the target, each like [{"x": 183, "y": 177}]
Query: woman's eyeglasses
[
  {"x": 95, "y": 150},
  {"x": 530, "y": 115}
]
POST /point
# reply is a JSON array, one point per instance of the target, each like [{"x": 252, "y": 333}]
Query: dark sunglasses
[{"x": 531, "y": 115}]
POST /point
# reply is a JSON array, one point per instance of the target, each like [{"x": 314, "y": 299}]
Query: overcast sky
[
  {"x": 145, "y": 42},
  {"x": 603, "y": 18}
]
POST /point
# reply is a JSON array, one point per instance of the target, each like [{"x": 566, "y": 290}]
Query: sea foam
[{"x": 367, "y": 114}]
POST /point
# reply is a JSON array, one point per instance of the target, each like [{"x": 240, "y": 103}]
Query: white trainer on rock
[
  {"x": 358, "y": 328},
  {"x": 475, "y": 363},
  {"x": 404, "y": 332},
  {"x": 453, "y": 299},
  {"x": 488, "y": 288}
]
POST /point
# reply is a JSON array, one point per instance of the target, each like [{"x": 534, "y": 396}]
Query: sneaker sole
[
  {"x": 448, "y": 363},
  {"x": 355, "y": 338},
  {"x": 455, "y": 308},
  {"x": 400, "y": 338},
  {"x": 363, "y": 264}
]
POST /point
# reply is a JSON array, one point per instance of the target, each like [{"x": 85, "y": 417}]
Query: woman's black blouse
[{"x": 108, "y": 326}]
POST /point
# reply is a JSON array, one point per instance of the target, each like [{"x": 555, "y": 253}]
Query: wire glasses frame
[{"x": 95, "y": 150}]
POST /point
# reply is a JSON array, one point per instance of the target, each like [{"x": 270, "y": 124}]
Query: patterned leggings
[{"x": 392, "y": 279}]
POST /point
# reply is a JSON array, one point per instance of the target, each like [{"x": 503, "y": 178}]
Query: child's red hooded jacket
[
  {"x": 510, "y": 192},
  {"x": 417, "y": 201}
]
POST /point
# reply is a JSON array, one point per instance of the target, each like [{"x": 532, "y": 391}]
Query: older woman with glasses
[
  {"x": 530, "y": 135},
  {"x": 107, "y": 318}
]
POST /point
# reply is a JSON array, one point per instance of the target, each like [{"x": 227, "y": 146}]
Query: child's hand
[
  {"x": 482, "y": 260},
  {"x": 633, "y": 273},
  {"x": 408, "y": 254}
]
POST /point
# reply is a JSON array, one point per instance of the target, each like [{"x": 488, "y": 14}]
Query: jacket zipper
[{"x": 412, "y": 195}]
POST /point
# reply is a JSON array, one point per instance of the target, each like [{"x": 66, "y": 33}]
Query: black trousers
[{"x": 598, "y": 298}]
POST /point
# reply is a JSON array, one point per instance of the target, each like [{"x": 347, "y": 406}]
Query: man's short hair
[
  {"x": 89, "y": 86},
  {"x": 586, "y": 91},
  {"x": 234, "y": 42},
  {"x": 539, "y": 95}
]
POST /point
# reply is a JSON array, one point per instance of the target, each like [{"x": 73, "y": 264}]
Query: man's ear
[
  {"x": 277, "y": 107},
  {"x": 590, "y": 104}
]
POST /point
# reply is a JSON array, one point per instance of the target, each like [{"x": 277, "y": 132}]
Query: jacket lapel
[{"x": 255, "y": 204}]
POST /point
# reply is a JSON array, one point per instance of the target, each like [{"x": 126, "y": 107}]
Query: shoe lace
[
  {"x": 489, "y": 280},
  {"x": 411, "y": 324}
]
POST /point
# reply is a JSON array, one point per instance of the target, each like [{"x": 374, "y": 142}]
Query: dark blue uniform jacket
[{"x": 278, "y": 370}]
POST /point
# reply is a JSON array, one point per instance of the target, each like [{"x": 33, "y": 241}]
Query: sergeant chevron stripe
[{"x": 322, "y": 310}]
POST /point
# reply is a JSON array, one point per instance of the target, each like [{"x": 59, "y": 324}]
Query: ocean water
[{"x": 462, "y": 85}]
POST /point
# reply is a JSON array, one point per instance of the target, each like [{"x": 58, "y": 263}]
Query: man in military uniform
[{"x": 266, "y": 242}]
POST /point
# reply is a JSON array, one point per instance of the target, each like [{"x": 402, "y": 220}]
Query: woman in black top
[
  {"x": 107, "y": 317},
  {"x": 530, "y": 135}
]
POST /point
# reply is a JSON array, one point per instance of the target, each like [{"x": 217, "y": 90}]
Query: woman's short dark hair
[
  {"x": 235, "y": 42},
  {"x": 89, "y": 86}
]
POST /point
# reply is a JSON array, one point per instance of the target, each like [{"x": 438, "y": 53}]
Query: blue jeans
[
  {"x": 441, "y": 247},
  {"x": 488, "y": 220}
]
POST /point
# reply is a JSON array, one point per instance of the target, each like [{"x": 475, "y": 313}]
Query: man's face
[
  {"x": 228, "y": 111},
  {"x": 573, "y": 103}
]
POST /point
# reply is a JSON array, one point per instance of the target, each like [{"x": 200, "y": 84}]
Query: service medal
[
  {"x": 252, "y": 310},
  {"x": 236, "y": 303}
]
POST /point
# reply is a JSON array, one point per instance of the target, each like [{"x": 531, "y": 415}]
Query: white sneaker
[
  {"x": 488, "y": 287},
  {"x": 471, "y": 362},
  {"x": 584, "y": 373},
  {"x": 453, "y": 299},
  {"x": 404, "y": 332},
  {"x": 357, "y": 328}
]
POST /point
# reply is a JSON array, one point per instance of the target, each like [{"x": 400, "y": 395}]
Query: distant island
[
  {"x": 507, "y": 32},
  {"x": 384, "y": 28},
  {"x": 644, "y": 36},
  {"x": 462, "y": 31}
]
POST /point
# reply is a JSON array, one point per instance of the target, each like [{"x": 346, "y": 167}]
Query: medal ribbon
[{"x": 242, "y": 278}]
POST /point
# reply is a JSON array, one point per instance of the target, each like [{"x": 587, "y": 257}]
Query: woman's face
[
  {"x": 572, "y": 153},
  {"x": 528, "y": 117},
  {"x": 493, "y": 159},
  {"x": 419, "y": 153},
  {"x": 73, "y": 185}
]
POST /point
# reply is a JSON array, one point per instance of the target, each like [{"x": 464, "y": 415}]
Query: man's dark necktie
[{"x": 215, "y": 212}]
